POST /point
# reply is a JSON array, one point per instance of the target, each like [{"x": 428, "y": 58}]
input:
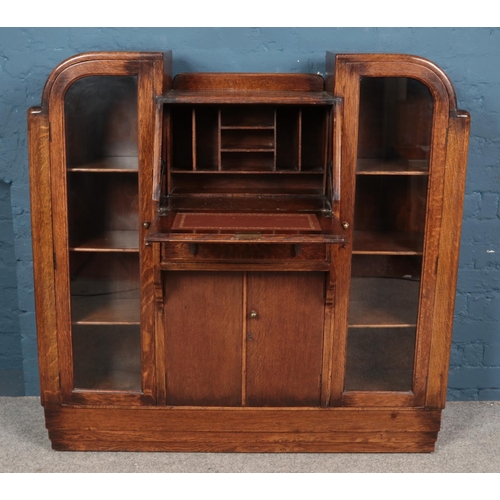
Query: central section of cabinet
[
  {"x": 244, "y": 238},
  {"x": 232, "y": 340}
]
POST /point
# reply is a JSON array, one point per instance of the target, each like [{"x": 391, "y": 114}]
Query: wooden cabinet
[{"x": 245, "y": 262}]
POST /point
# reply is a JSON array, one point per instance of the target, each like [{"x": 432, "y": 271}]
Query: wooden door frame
[
  {"x": 348, "y": 69},
  {"x": 148, "y": 68}
]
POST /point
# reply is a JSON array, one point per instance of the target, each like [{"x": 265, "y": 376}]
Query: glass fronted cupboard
[{"x": 245, "y": 262}]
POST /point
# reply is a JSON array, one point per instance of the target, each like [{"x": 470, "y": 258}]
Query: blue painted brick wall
[
  {"x": 11, "y": 359},
  {"x": 471, "y": 57}
]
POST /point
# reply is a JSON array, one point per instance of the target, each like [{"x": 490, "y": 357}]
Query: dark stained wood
[
  {"x": 449, "y": 244},
  {"x": 43, "y": 263},
  {"x": 349, "y": 70},
  {"x": 137, "y": 69},
  {"x": 251, "y": 252},
  {"x": 203, "y": 324},
  {"x": 284, "y": 340},
  {"x": 162, "y": 231},
  {"x": 146, "y": 331},
  {"x": 298, "y": 82},
  {"x": 240, "y": 439},
  {"x": 243, "y": 203},
  {"x": 386, "y": 243},
  {"x": 245, "y": 419},
  {"x": 247, "y": 97},
  {"x": 241, "y": 446},
  {"x": 243, "y": 429},
  {"x": 246, "y": 265}
]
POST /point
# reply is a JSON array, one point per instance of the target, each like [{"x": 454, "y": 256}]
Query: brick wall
[
  {"x": 471, "y": 57},
  {"x": 11, "y": 360}
]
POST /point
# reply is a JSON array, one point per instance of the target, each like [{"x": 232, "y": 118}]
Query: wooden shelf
[
  {"x": 270, "y": 149},
  {"x": 247, "y": 127},
  {"x": 383, "y": 303},
  {"x": 387, "y": 243},
  {"x": 246, "y": 97},
  {"x": 110, "y": 241},
  {"x": 282, "y": 171},
  {"x": 375, "y": 166},
  {"x": 114, "y": 381},
  {"x": 105, "y": 310},
  {"x": 110, "y": 164}
]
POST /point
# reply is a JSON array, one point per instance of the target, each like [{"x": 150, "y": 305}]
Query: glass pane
[
  {"x": 101, "y": 122},
  {"x": 395, "y": 124},
  {"x": 103, "y": 227},
  {"x": 107, "y": 357}
]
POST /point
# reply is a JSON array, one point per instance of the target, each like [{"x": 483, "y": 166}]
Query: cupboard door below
[
  {"x": 203, "y": 329},
  {"x": 284, "y": 323}
]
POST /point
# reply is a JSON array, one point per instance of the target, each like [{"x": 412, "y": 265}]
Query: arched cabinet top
[
  {"x": 400, "y": 65},
  {"x": 95, "y": 63}
]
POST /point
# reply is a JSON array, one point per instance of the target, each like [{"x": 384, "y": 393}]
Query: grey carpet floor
[{"x": 469, "y": 441}]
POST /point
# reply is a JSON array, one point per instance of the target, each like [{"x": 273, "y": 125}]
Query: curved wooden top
[
  {"x": 405, "y": 59},
  {"x": 92, "y": 56}
]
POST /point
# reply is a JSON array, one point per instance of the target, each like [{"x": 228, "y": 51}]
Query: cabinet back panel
[
  {"x": 182, "y": 137},
  {"x": 247, "y": 116},
  {"x": 390, "y": 266},
  {"x": 101, "y": 202},
  {"x": 101, "y": 119},
  {"x": 247, "y": 183},
  {"x": 207, "y": 138},
  {"x": 288, "y": 134},
  {"x": 391, "y": 203},
  {"x": 314, "y": 144},
  {"x": 395, "y": 118}
]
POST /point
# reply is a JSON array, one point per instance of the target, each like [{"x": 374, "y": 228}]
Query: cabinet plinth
[{"x": 245, "y": 262}]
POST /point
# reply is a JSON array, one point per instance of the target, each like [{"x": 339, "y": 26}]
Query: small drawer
[{"x": 241, "y": 252}]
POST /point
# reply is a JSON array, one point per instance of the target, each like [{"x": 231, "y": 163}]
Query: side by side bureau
[{"x": 245, "y": 262}]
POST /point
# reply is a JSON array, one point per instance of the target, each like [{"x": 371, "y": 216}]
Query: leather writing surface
[{"x": 299, "y": 222}]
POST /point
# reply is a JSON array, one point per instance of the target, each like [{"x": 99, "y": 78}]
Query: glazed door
[
  {"x": 396, "y": 130},
  {"x": 101, "y": 183}
]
